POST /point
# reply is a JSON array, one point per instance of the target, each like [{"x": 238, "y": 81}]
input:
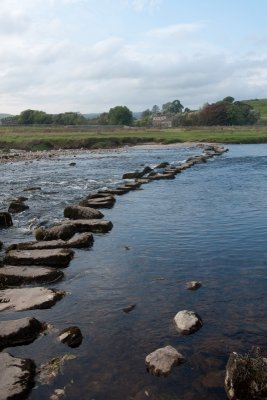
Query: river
[{"x": 208, "y": 224}]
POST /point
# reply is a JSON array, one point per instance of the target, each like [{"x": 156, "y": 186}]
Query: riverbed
[{"x": 208, "y": 224}]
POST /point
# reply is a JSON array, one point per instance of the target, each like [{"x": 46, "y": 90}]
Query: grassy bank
[{"x": 36, "y": 138}]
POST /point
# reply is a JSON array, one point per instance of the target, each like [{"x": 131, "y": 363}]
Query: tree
[
  {"x": 172, "y": 107},
  {"x": 69, "y": 118},
  {"x": 155, "y": 109},
  {"x": 120, "y": 115},
  {"x": 146, "y": 113},
  {"x": 229, "y": 99}
]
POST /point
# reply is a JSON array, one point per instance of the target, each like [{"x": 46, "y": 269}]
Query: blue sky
[{"x": 89, "y": 56}]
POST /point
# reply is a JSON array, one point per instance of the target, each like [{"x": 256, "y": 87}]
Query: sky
[{"x": 91, "y": 55}]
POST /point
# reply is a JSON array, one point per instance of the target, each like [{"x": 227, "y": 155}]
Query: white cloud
[
  {"x": 177, "y": 30},
  {"x": 140, "y": 5}
]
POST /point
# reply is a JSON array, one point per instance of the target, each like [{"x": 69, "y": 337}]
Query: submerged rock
[
  {"x": 67, "y": 229},
  {"x": 47, "y": 257},
  {"x": 72, "y": 336},
  {"x": 187, "y": 322},
  {"x": 129, "y": 308},
  {"x": 16, "y": 378},
  {"x": 29, "y": 298},
  {"x": 193, "y": 285},
  {"x": 163, "y": 360},
  {"x": 50, "y": 370},
  {"x": 19, "y": 331},
  {"x": 5, "y": 220},
  {"x": 246, "y": 377},
  {"x": 17, "y": 275},
  {"x": 79, "y": 212}
]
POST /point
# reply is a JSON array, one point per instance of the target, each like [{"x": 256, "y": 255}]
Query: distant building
[{"x": 161, "y": 121}]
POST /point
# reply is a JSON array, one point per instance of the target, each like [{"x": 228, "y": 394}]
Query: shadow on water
[{"x": 208, "y": 224}]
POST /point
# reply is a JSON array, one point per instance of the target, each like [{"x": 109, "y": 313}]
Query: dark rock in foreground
[
  {"x": 17, "y": 275},
  {"x": 29, "y": 298},
  {"x": 72, "y": 336},
  {"x": 187, "y": 322},
  {"x": 19, "y": 331},
  {"x": 47, "y": 257},
  {"x": 79, "y": 212},
  {"x": 5, "y": 220},
  {"x": 80, "y": 240},
  {"x": 17, "y": 206},
  {"x": 16, "y": 378},
  {"x": 246, "y": 377},
  {"x": 67, "y": 229},
  {"x": 162, "y": 360}
]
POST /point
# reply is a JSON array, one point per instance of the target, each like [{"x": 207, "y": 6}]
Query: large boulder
[
  {"x": 29, "y": 298},
  {"x": 17, "y": 275},
  {"x": 187, "y": 322},
  {"x": 68, "y": 228},
  {"x": 20, "y": 331},
  {"x": 47, "y": 257},
  {"x": 80, "y": 240},
  {"x": 16, "y": 378},
  {"x": 246, "y": 377},
  {"x": 79, "y": 212},
  {"x": 5, "y": 219},
  {"x": 162, "y": 360}
]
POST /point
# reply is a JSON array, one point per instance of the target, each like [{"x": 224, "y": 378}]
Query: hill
[{"x": 260, "y": 105}]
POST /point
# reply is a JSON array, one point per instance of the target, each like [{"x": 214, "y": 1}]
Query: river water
[{"x": 209, "y": 224}]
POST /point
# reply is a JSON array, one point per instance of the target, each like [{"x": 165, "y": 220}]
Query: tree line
[{"x": 224, "y": 112}]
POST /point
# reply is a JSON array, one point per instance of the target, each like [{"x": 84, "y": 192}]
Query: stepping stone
[
  {"x": 19, "y": 275},
  {"x": 29, "y": 298},
  {"x": 80, "y": 240},
  {"x": 16, "y": 378},
  {"x": 47, "y": 257},
  {"x": 79, "y": 212},
  {"x": 162, "y": 360},
  {"x": 19, "y": 331},
  {"x": 187, "y": 322},
  {"x": 67, "y": 229}
]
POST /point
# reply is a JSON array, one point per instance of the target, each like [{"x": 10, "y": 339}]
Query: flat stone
[
  {"x": 5, "y": 219},
  {"x": 80, "y": 240},
  {"x": 79, "y": 212},
  {"x": 19, "y": 331},
  {"x": 18, "y": 275},
  {"x": 72, "y": 336},
  {"x": 187, "y": 322},
  {"x": 29, "y": 298},
  {"x": 102, "y": 199},
  {"x": 47, "y": 257},
  {"x": 162, "y": 360},
  {"x": 16, "y": 378},
  {"x": 68, "y": 228}
]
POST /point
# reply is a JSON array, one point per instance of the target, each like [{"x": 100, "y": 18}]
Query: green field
[
  {"x": 261, "y": 107},
  {"x": 32, "y": 138}
]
